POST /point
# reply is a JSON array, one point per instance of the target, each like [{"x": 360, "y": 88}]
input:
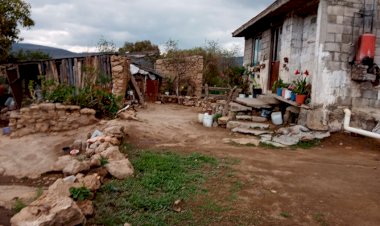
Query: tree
[
  {"x": 105, "y": 46},
  {"x": 139, "y": 46},
  {"x": 13, "y": 13},
  {"x": 28, "y": 55}
]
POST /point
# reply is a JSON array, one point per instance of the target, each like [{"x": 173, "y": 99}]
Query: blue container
[
  {"x": 6, "y": 131},
  {"x": 293, "y": 96},
  {"x": 279, "y": 91}
]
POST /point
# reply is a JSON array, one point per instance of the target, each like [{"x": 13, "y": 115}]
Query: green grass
[
  {"x": 307, "y": 144},
  {"x": 103, "y": 161},
  {"x": 285, "y": 214},
  {"x": 18, "y": 205},
  {"x": 321, "y": 219},
  {"x": 147, "y": 199}
]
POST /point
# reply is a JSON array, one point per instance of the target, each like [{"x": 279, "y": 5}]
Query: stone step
[
  {"x": 235, "y": 107},
  {"x": 251, "y": 118},
  {"x": 269, "y": 99},
  {"x": 243, "y": 141},
  {"x": 254, "y": 132},
  {"x": 253, "y": 102},
  {"x": 244, "y": 117},
  {"x": 247, "y": 125}
]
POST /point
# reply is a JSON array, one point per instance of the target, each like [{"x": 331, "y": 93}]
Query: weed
[
  {"x": 126, "y": 148},
  {"x": 268, "y": 146},
  {"x": 39, "y": 192},
  {"x": 18, "y": 205},
  {"x": 103, "y": 161},
  {"x": 146, "y": 199},
  {"x": 307, "y": 144},
  {"x": 320, "y": 218},
  {"x": 285, "y": 214},
  {"x": 81, "y": 193}
]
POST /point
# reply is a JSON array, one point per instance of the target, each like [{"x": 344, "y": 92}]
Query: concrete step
[
  {"x": 254, "y": 132},
  {"x": 235, "y": 107},
  {"x": 253, "y": 102},
  {"x": 247, "y": 125}
]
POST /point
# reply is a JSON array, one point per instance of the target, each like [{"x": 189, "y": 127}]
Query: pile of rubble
[{"x": 99, "y": 154}]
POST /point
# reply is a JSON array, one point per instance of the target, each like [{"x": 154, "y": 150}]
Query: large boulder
[
  {"x": 75, "y": 166},
  {"x": 50, "y": 210},
  {"x": 86, "y": 207},
  {"x": 120, "y": 169},
  {"x": 112, "y": 153},
  {"x": 61, "y": 187},
  {"x": 91, "y": 182},
  {"x": 115, "y": 131},
  {"x": 62, "y": 162}
]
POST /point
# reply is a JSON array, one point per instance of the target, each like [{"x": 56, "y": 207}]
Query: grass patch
[
  {"x": 285, "y": 214},
  {"x": 103, "y": 161},
  {"x": 18, "y": 205},
  {"x": 147, "y": 199},
  {"x": 307, "y": 144},
  {"x": 126, "y": 148},
  {"x": 320, "y": 219}
]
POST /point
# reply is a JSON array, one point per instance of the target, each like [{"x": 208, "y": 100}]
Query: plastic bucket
[
  {"x": 200, "y": 117},
  {"x": 276, "y": 118},
  {"x": 279, "y": 91},
  {"x": 241, "y": 95},
  {"x": 207, "y": 120}
]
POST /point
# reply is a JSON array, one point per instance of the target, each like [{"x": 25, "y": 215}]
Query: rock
[
  {"x": 235, "y": 107},
  {"x": 95, "y": 162},
  {"x": 320, "y": 135},
  {"x": 250, "y": 131},
  {"x": 47, "y": 106},
  {"x": 302, "y": 117},
  {"x": 91, "y": 182},
  {"x": 274, "y": 144},
  {"x": 247, "y": 125},
  {"x": 335, "y": 126},
  {"x": 2, "y": 171},
  {"x": 61, "y": 187},
  {"x": 244, "y": 117},
  {"x": 127, "y": 224},
  {"x": 120, "y": 169},
  {"x": 89, "y": 152},
  {"x": 316, "y": 120},
  {"x": 128, "y": 115},
  {"x": 75, "y": 166},
  {"x": 223, "y": 120},
  {"x": 86, "y": 207},
  {"x": 62, "y": 162},
  {"x": 102, "y": 147},
  {"x": 115, "y": 131},
  {"x": 50, "y": 210},
  {"x": 112, "y": 153},
  {"x": 87, "y": 111},
  {"x": 265, "y": 137},
  {"x": 286, "y": 140},
  {"x": 258, "y": 119},
  {"x": 79, "y": 145},
  {"x": 115, "y": 141},
  {"x": 244, "y": 141}
]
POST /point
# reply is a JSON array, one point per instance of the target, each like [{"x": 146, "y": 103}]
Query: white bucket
[
  {"x": 276, "y": 118},
  {"x": 250, "y": 96},
  {"x": 288, "y": 94},
  {"x": 242, "y": 95},
  {"x": 200, "y": 117},
  {"x": 207, "y": 120}
]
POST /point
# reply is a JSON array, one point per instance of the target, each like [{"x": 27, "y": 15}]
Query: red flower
[
  {"x": 306, "y": 73},
  {"x": 297, "y": 72}
]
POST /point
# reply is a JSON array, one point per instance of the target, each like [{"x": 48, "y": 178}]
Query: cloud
[{"x": 78, "y": 25}]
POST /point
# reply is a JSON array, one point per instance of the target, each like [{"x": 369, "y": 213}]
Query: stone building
[
  {"x": 321, "y": 37},
  {"x": 189, "y": 69}
]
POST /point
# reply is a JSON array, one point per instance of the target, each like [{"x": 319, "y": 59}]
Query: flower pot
[
  {"x": 279, "y": 91},
  {"x": 283, "y": 92},
  {"x": 300, "y": 99},
  {"x": 288, "y": 94},
  {"x": 293, "y": 96},
  {"x": 257, "y": 92}
]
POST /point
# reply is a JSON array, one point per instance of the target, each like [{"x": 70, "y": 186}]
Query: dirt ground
[{"x": 336, "y": 183}]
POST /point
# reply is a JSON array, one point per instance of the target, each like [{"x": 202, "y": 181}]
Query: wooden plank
[{"x": 136, "y": 87}]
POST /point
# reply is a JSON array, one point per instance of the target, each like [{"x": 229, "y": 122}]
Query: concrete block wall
[
  {"x": 339, "y": 27},
  {"x": 248, "y": 44}
]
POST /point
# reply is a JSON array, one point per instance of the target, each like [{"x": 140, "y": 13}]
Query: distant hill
[{"x": 53, "y": 52}]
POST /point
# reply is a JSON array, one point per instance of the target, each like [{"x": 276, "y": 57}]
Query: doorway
[{"x": 275, "y": 55}]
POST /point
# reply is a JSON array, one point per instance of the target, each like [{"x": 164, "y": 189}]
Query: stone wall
[
  {"x": 193, "y": 68},
  {"x": 49, "y": 117},
  {"x": 120, "y": 75}
]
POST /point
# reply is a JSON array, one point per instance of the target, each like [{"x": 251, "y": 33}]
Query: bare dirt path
[{"x": 336, "y": 183}]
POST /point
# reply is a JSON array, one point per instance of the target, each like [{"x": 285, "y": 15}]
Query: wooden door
[
  {"x": 151, "y": 90},
  {"x": 275, "y": 52}
]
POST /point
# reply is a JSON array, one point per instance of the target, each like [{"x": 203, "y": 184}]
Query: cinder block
[
  {"x": 335, "y": 10},
  {"x": 331, "y": 46},
  {"x": 370, "y": 94}
]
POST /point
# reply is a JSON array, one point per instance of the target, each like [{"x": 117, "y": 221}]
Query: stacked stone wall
[
  {"x": 120, "y": 75},
  {"x": 49, "y": 117},
  {"x": 194, "y": 71}
]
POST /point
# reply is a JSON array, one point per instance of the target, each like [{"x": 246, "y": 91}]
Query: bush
[{"x": 80, "y": 194}]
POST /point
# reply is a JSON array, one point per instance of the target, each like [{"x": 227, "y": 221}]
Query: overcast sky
[{"x": 78, "y": 25}]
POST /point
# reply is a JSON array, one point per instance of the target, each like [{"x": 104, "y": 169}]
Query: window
[
  {"x": 276, "y": 43},
  {"x": 256, "y": 51}
]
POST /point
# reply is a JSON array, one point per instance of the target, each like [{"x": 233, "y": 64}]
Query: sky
[{"x": 78, "y": 25}]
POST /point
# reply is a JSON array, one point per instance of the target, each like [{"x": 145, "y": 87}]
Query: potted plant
[
  {"x": 256, "y": 89},
  {"x": 292, "y": 94},
  {"x": 301, "y": 89},
  {"x": 277, "y": 87}
]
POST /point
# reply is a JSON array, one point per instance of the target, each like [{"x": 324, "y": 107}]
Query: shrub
[{"x": 80, "y": 194}]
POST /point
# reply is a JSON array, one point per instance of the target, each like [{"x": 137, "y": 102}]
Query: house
[
  {"x": 147, "y": 82},
  {"x": 336, "y": 42}
]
